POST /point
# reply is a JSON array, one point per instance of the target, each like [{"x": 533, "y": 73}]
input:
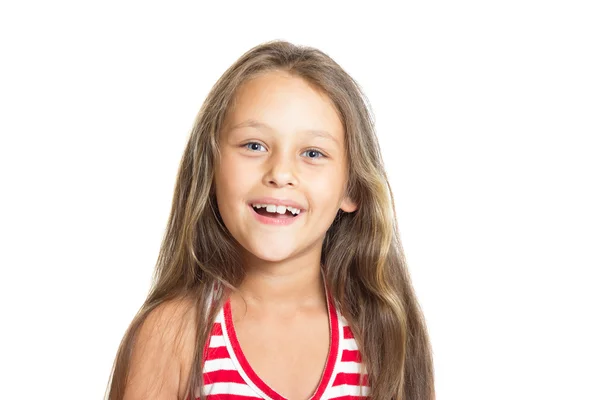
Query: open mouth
[{"x": 288, "y": 214}]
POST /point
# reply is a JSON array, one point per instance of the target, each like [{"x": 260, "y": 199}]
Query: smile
[{"x": 267, "y": 216}]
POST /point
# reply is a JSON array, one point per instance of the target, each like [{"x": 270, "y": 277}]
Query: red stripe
[
  {"x": 348, "y": 333},
  {"x": 215, "y": 353},
  {"x": 351, "y": 355},
  {"x": 345, "y": 378},
  {"x": 217, "y": 330},
  {"x": 223, "y": 375}
]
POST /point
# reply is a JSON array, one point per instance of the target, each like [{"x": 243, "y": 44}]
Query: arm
[{"x": 161, "y": 357}]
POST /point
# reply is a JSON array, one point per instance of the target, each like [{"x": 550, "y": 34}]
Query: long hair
[{"x": 362, "y": 254}]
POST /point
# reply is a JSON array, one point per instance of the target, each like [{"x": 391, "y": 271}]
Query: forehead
[{"x": 286, "y": 104}]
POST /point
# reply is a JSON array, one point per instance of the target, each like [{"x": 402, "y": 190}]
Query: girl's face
[{"x": 282, "y": 143}]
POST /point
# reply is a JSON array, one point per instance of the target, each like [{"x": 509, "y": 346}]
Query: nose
[{"x": 281, "y": 171}]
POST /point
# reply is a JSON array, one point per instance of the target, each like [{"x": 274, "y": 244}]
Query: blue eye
[
  {"x": 314, "y": 154},
  {"x": 254, "y": 146}
]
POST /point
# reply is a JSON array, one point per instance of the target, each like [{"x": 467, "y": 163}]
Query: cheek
[
  {"x": 233, "y": 179},
  {"x": 326, "y": 188}
]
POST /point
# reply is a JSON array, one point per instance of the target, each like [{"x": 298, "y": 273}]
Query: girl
[{"x": 281, "y": 274}]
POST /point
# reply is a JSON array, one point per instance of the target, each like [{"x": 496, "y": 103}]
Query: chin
[{"x": 270, "y": 253}]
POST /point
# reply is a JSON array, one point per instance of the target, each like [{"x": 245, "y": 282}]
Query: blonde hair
[{"x": 365, "y": 267}]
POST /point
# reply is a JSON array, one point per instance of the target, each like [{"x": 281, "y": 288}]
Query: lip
[
  {"x": 277, "y": 202},
  {"x": 274, "y": 221}
]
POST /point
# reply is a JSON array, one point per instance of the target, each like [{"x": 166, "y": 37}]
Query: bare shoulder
[{"x": 162, "y": 352}]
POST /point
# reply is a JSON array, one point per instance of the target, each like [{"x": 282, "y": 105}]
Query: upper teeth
[{"x": 277, "y": 209}]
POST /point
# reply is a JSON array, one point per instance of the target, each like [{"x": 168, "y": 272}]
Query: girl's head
[
  {"x": 282, "y": 141},
  {"x": 287, "y": 123}
]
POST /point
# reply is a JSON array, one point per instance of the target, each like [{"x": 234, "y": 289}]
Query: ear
[{"x": 348, "y": 205}]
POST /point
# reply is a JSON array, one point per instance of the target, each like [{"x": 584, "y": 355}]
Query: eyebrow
[{"x": 252, "y": 123}]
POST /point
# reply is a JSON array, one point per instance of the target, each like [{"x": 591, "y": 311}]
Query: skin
[{"x": 281, "y": 301}]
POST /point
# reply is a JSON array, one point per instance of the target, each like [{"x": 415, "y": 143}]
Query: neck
[{"x": 292, "y": 283}]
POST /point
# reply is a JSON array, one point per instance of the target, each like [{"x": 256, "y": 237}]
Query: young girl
[{"x": 281, "y": 274}]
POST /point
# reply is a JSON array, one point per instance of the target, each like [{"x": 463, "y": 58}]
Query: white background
[{"x": 488, "y": 115}]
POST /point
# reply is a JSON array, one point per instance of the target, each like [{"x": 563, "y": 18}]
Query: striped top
[{"x": 227, "y": 375}]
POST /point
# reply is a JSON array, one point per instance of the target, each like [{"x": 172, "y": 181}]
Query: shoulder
[{"x": 162, "y": 352}]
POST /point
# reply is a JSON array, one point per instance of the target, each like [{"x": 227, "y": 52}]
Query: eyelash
[{"x": 313, "y": 158}]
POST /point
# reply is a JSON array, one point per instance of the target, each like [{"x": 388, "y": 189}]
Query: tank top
[{"x": 227, "y": 375}]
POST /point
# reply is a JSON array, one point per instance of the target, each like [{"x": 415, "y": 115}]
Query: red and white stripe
[{"x": 228, "y": 376}]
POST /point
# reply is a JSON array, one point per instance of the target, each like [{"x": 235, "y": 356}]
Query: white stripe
[
  {"x": 239, "y": 389},
  {"x": 220, "y": 318},
  {"x": 348, "y": 367},
  {"x": 342, "y": 319},
  {"x": 216, "y": 341},
  {"x": 348, "y": 344},
  {"x": 346, "y": 390},
  {"x": 220, "y": 363}
]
